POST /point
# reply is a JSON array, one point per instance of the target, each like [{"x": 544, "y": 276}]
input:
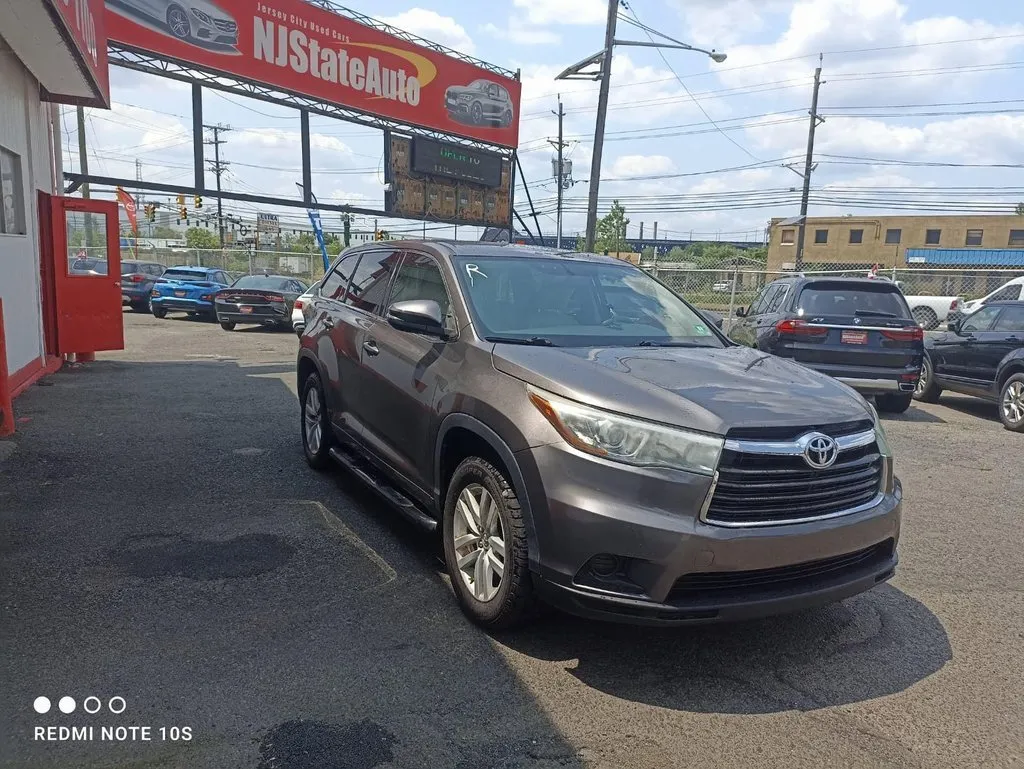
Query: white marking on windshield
[{"x": 472, "y": 269}]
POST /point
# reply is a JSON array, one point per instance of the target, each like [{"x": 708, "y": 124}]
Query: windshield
[
  {"x": 93, "y": 265},
  {"x": 880, "y": 300},
  {"x": 573, "y": 303},
  {"x": 262, "y": 282},
  {"x": 173, "y": 274}
]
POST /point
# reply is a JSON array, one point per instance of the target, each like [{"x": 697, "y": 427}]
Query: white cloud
[
  {"x": 549, "y": 12},
  {"x": 640, "y": 165},
  {"x": 434, "y": 27},
  {"x": 515, "y": 31},
  {"x": 720, "y": 23}
]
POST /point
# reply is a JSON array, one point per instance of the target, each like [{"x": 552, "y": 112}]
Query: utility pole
[
  {"x": 218, "y": 168},
  {"x": 808, "y": 168},
  {"x": 602, "y": 113},
  {"x": 559, "y": 146}
]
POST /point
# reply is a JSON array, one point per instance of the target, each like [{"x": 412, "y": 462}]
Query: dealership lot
[{"x": 165, "y": 542}]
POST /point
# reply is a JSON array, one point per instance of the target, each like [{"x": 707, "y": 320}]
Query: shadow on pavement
[
  {"x": 914, "y": 414},
  {"x": 975, "y": 407},
  {"x": 870, "y": 646},
  {"x": 163, "y": 540}
]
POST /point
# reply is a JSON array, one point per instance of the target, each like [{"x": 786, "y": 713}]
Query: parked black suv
[
  {"x": 857, "y": 330},
  {"x": 581, "y": 435},
  {"x": 982, "y": 355}
]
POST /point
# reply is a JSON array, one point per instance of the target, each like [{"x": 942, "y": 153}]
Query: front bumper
[{"x": 649, "y": 519}]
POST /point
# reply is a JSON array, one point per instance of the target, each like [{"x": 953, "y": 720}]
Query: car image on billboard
[
  {"x": 200, "y": 22},
  {"x": 482, "y": 102}
]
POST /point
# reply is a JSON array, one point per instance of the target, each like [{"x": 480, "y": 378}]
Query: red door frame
[{"x": 86, "y": 308}]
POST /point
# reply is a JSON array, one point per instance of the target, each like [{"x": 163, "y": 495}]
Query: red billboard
[
  {"x": 293, "y": 46},
  {"x": 83, "y": 20}
]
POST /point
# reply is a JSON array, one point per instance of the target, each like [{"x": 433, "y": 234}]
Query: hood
[{"x": 712, "y": 390}]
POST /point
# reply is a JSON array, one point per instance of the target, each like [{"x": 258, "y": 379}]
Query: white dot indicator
[
  {"x": 42, "y": 704},
  {"x": 66, "y": 704},
  {"x": 96, "y": 705}
]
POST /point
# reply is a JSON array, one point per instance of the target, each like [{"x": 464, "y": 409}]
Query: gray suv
[{"x": 581, "y": 436}]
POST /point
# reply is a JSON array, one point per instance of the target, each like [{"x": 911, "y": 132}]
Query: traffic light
[
  {"x": 380, "y": 235},
  {"x": 150, "y": 210},
  {"x": 197, "y": 202}
]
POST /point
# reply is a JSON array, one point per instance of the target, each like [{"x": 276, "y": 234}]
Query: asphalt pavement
[{"x": 163, "y": 541}]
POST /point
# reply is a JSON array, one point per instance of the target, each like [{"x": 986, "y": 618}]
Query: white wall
[{"x": 24, "y": 129}]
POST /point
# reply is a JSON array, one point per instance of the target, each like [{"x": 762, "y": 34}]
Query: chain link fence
[
  {"x": 723, "y": 290},
  {"x": 236, "y": 261}
]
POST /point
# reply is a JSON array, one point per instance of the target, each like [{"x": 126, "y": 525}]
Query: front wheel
[
  {"x": 317, "y": 438},
  {"x": 894, "y": 403},
  {"x": 476, "y": 114},
  {"x": 227, "y": 325},
  {"x": 927, "y": 391},
  {"x": 178, "y": 23},
  {"x": 1011, "y": 403},
  {"x": 485, "y": 547},
  {"x": 159, "y": 312}
]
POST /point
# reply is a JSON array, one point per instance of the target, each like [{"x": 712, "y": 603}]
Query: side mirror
[
  {"x": 418, "y": 316},
  {"x": 741, "y": 312}
]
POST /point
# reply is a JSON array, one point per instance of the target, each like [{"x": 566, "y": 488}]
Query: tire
[
  {"x": 178, "y": 23},
  {"x": 506, "y": 119},
  {"x": 894, "y": 403},
  {"x": 479, "y": 489},
  {"x": 317, "y": 450},
  {"x": 140, "y": 307},
  {"x": 1011, "y": 403},
  {"x": 925, "y": 317},
  {"x": 476, "y": 114},
  {"x": 927, "y": 391},
  {"x": 159, "y": 312},
  {"x": 227, "y": 325}
]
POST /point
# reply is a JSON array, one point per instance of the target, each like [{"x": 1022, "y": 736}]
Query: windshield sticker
[
  {"x": 471, "y": 270},
  {"x": 701, "y": 329}
]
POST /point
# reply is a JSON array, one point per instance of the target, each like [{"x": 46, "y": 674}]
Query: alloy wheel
[
  {"x": 178, "y": 22},
  {"x": 479, "y": 542},
  {"x": 311, "y": 419},
  {"x": 924, "y": 379},
  {"x": 1013, "y": 402}
]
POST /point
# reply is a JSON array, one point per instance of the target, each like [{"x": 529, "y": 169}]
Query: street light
[{"x": 603, "y": 60}]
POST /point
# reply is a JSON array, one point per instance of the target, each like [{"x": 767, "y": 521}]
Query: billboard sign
[
  {"x": 296, "y": 47},
  {"x": 443, "y": 197},
  {"x": 455, "y": 161},
  {"x": 268, "y": 223}
]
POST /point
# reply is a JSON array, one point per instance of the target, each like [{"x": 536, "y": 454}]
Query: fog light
[{"x": 605, "y": 564}]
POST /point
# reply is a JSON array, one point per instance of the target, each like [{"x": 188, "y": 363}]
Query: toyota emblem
[{"x": 821, "y": 451}]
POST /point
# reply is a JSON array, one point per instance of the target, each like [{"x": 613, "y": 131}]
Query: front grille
[
  {"x": 720, "y": 586},
  {"x": 224, "y": 26},
  {"x": 762, "y": 489},
  {"x": 789, "y": 433}
]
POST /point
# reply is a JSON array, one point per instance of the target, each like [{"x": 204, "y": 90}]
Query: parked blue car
[{"x": 188, "y": 289}]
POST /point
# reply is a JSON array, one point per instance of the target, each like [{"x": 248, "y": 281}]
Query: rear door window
[
  {"x": 777, "y": 300},
  {"x": 1011, "y": 319},
  {"x": 881, "y": 301},
  {"x": 369, "y": 286},
  {"x": 333, "y": 286}
]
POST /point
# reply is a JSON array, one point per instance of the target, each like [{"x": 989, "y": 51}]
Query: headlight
[
  {"x": 203, "y": 17},
  {"x": 628, "y": 440}
]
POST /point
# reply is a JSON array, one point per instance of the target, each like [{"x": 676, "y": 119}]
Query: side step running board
[{"x": 398, "y": 500}]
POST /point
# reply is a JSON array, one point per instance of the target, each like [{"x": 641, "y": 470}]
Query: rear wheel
[
  {"x": 1011, "y": 403},
  {"x": 317, "y": 438},
  {"x": 485, "y": 546},
  {"x": 927, "y": 390},
  {"x": 227, "y": 325},
  {"x": 925, "y": 317},
  {"x": 894, "y": 403},
  {"x": 159, "y": 312}
]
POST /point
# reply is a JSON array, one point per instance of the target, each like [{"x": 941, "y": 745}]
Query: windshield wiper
[
  {"x": 652, "y": 343},
  {"x": 538, "y": 341},
  {"x": 875, "y": 314}
]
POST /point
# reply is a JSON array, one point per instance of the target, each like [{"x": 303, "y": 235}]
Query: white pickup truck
[{"x": 929, "y": 311}]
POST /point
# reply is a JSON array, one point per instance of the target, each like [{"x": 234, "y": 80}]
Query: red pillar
[{"x": 6, "y": 405}]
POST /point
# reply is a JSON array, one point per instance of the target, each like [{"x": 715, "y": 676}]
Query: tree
[
  {"x": 648, "y": 254},
  {"x": 197, "y": 237},
  {"x": 611, "y": 230}
]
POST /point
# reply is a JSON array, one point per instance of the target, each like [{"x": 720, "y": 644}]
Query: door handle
[
  {"x": 371, "y": 347},
  {"x": 328, "y": 321},
  {"x": 1012, "y": 339}
]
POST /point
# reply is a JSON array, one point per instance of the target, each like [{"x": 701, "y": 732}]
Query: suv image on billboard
[
  {"x": 578, "y": 434},
  {"x": 479, "y": 103}
]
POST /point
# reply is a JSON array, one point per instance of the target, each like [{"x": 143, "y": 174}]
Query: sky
[{"x": 923, "y": 103}]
